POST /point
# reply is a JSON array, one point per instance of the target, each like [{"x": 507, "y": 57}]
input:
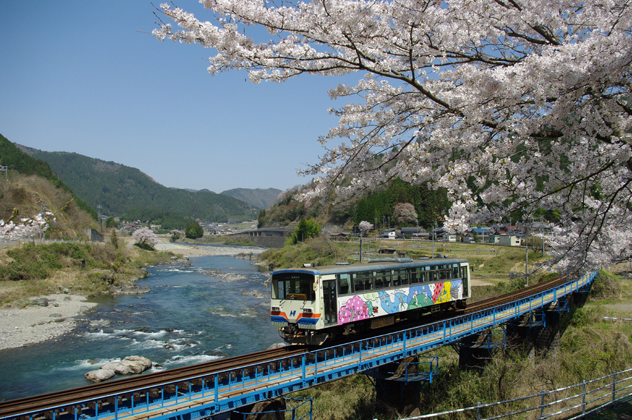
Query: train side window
[
  {"x": 414, "y": 275},
  {"x": 396, "y": 278},
  {"x": 455, "y": 271},
  {"x": 358, "y": 283},
  {"x": 433, "y": 275},
  {"x": 344, "y": 285},
  {"x": 379, "y": 282},
  {"x": 444, "y": 274},
  {"x": 365, "y": 281},
  {"x": 423, "y": 277},
  {"x": 404, "y": 277},
  {"x": 382, "y": 279},
  {"x": 387, "y": 278}
]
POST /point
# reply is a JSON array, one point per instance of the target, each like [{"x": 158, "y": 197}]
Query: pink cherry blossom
[{"x": 508, "y": 105}]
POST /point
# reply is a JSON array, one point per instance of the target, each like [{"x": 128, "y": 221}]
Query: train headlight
[
  {"x": 307, "y": 310},
  {"x": 275, "y": 309}
]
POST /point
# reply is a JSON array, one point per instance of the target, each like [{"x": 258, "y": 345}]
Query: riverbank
[
  {"x": 23, "y": 321},
  {"x": 45, "y": 318},
  {"x": 191, "y": 251}
]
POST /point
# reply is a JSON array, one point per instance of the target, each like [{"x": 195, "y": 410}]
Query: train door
[{"x": 329, "y": 297}]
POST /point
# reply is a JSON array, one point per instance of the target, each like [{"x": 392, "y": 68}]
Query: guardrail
[
  {"x": 593, "y": 395},
  {"x": 218, "y": 392}
]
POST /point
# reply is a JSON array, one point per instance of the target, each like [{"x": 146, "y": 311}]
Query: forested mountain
[
  {"x": 377, "y": 207},
  {"x": 260, "y": 198},
  {"x": 116, "y": 189},
  {"x": 17, "y": 160}
]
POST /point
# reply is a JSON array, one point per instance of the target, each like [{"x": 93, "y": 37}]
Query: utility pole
[{"x": 433, "y": 238}]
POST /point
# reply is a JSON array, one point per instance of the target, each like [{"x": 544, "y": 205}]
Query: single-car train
[{"x": 313, "y": 305}]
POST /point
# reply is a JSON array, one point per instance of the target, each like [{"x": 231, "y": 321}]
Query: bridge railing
[
  {"x": 571, "y": 402},
  {"x": 227, "y": 390}
]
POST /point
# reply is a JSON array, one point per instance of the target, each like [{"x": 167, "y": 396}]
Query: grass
[{"x": 86, "y": 269}]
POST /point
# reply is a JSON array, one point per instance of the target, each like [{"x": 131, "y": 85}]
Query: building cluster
[
  {"x": 210, "y": 228},
  {"x": 501, "y": 234}
]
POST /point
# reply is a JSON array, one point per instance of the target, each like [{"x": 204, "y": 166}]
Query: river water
[{"x": 216, "y": 308}]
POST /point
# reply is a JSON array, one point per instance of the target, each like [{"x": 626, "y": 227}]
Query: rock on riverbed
[{"x": 127, "y": 366}]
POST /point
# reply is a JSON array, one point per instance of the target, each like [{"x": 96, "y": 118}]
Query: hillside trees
[
  {"x": 306, "y": 228},
  {"x": 193, "y": 230},
  {"x": 21, "y": 162},
  {"x": 429, "y": 205},
  {"x": 509, "y": 105},
  {"x": 166, "y": 220}
]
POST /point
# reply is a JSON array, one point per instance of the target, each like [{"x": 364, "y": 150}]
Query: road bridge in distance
[{"x": 222, "y": 386}]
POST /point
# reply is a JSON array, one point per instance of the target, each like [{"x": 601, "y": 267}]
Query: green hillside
[
  {"x": 117, "y": 189},
  {"x": 258, "y": 197},
  {"x": 17, "y": 160}
]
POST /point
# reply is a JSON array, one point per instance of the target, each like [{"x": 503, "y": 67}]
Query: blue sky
[{"x": 88, "y": 77}]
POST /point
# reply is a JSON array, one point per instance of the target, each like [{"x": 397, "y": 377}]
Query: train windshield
[{"x": 294, "y": 286}]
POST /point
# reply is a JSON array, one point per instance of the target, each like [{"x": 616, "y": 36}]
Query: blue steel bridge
[{"x": 226, "y": 385}]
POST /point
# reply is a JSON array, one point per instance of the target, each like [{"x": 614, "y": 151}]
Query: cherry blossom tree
[
  {"x": 145, "y": 236},
  {"x": 405, "y": 213},
  {"x": 27, "y": 228},
  {"x": 365, "y": 226},
  {"x": 511, "y": 105}
]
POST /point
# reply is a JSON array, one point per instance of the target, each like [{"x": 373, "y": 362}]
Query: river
[{"x": 216, "y": 308}]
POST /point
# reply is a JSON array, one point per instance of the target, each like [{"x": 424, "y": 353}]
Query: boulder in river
[
  {"x": 129, "y": 365},
  {"x": 99, "y": 375}
]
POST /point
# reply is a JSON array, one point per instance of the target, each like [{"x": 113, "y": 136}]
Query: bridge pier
[
  {"x": 263, "y": 410},
  {"x": 477, "y": 349},
  {"x": 398, "y": 384}
]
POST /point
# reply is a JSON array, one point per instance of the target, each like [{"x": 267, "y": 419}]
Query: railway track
[
  {"x": 518, "y": 294},
  {"x": 146, "y": 382},
  {"x": 122, "y": 386}
]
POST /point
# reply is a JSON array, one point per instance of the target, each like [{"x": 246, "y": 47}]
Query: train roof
[{"x": 381, "y": 264}]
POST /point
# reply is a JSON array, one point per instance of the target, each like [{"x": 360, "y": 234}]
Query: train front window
[{"x": 293, "y": 286}]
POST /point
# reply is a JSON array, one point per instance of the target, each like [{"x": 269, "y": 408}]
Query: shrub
[
  {"x": 605, "y": 286},
  {"x": 194, "y": 231}
]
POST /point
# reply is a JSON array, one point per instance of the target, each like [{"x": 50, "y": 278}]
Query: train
[{"x": 314, "y": 305}]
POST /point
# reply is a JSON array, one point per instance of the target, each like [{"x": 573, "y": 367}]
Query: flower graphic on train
[
  {"x": 354, "y": 310},
  {"x": 436, "y": 294},
  {"x": 443, "y": 293}
]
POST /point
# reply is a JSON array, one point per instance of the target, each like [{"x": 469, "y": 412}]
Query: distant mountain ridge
[
  {"x": 114, "y": 189},
  {"x": 258, "y": 197}
]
